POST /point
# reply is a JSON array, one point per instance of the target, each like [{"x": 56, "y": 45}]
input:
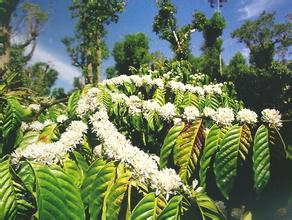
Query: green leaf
[
  {"x": 169, "y": 143},
  {"x": 26, "y": 174},
  {"x": 145, "y": 209},
  {"x": 179, "y": 97},
  {"x": 49, "y": 134},
  {"x": 261, "y": 158},
  {"x": 13, "y": 203},
  {"x": 89, "y": 178},
  {"x": 171, "y": 211},
  {"x": 73, "y": 102},
  {"x": 57, "y": 197},
  {"x": 8, "y": 205},
  {"x": 11, "y": 124},
  {"x": 101, "y": 183},
  {"x": 225, "y": 165},
  {"x": 29, "y": 138},
  {"x": 72, "y": 169},
  {"x": 212, "y": 143},
  {"x": 116, "y": 196},
  {"x": 208, "y": 208},
  {"x": 154, "y": 121},
  {"x": 160, "y": 204},
  {"x": 104, "y": 97},
  {"x": 159, "y": 96},
  {"x": 188, "y": 147},
  {"x": 190, "y": 99},
  {"x": 75, "y": 209}
]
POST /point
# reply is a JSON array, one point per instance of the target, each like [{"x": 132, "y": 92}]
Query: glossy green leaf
[
  {"x": 26, "y": 174},
  {"x": 145, "y": 209},
  {"x": 171, "y": 211},
  {"x": 8, "y": 205},
  {"x": 29, "y": 138},
  {"x": 190, "y": 99},
  {"x": 236, "y": 140},
  {"x": 212, "y": 143},
  {"x": 57, "y": 197},
  {"x": 261, "y": 158},
  {"x": 116, "y": 196},
  {"x": 75, "y": 209},
  {"x": 101, "y": 183},
  {"x": 188, "y": 148},
  {"x": 89, "y": 178},
  {"x": 208, "y": 208},
  {"x": 169, "y": 143},
  {"x": 13, "y": 203},
  {"x": 72, "y": 169},
  {"x": 73, "y": 102},
  {"x": 159, "y": 96},
  {"x": 49, "y": 134}
]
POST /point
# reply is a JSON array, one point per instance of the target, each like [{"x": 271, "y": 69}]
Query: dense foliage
[{"x": 105, "y": 154}]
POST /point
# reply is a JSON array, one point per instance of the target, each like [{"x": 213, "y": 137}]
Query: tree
[
  {"x": 212, "y": 30},
  {"x": 133, "y": 51},
  {"x": 264, "y": 38},
  {"x": 165, "y": 26},
  {"x": 237, "y": 66},
  {"x": 39, "y": 78},
  {"x": 27, "y": 24},
  {"x": 87, "y": 48}
]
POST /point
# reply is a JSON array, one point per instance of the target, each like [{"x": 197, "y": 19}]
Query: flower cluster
[
  {"x": 117, "y": 147},
  {"x": 88, "y": 102},
  {"x": 272, "y": 117},
  {"x": 62, "y": 118},
  {"x": 139, "y": 81},
  {"x": 223, "y": 116},
  {"x": 35, "y": 126},
  {"x": 35, "y": 107},
  {"x": 246, "y": 116},
  {"x": 191, "y": 113},
  {"x": 48, "y": 153},
  {"x": 167, "y": 111}
]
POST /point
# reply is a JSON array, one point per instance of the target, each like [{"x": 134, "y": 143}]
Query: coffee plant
[{"x": 149, "y": 146}]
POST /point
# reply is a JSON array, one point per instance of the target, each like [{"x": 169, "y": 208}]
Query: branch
[
  {"x": 29, "y": 55},
  {"x": 176, "y": 39}
]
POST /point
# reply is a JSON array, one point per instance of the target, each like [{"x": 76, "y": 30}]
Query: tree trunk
[{"x": 99, "y": 60}]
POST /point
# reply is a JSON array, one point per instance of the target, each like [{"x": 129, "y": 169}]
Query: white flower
[
  {"x": 62, "y": 118},
  {"x": 208, "y": 112},
  {"x": 97, "y": 151},
  {"x": 147, "y": 79},
  {"x": 166, "y": 181},
  {"x": 137, "y": 80},
  {"x": 145, "y": 167},
  {"x": 191, "y": 113},
  {"x": 34, "y": 107},
  {"x": 36, "y": 126},
  {"x": 272, "y": 117},
  {"x": 24, "y": 126},
  {"x": 148, "y": 106},
  {"x": 176, "y": 86},
  {"x": 223, "y": 116},
  {"x": 53, "y": 152},
  {"x": 177, "y": 120},
  {"x": 246, "y": 116},
  {"x": 158, "y": 82},
  {"x": 167, "y": 111},
  {"x": 213, "y": 89}
]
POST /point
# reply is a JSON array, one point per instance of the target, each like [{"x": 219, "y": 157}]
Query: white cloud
[
  {"x": 255, "y": 7},
  {"x": 66, "y": 71}
]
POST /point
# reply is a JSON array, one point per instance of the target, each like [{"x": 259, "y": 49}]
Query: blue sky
[{"x": 138, "y": 17}]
